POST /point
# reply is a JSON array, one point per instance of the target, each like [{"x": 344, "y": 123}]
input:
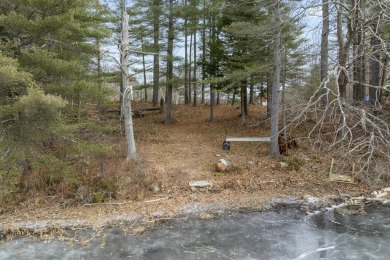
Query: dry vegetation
[{"x": 169, "y": 157}]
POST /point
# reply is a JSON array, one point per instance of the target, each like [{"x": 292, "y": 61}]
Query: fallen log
[
  {"x": 147, "y": 109},
  {"x": 134, "y": 110}
]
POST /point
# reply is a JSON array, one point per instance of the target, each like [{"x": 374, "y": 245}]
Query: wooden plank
[
  {"x": 341, "y": 178},
  {"x": 248, "y": 139},
  {"x": 199, "y": 183}
]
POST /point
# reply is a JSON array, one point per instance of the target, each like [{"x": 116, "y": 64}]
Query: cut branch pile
[{"x": 354, "y": 134}]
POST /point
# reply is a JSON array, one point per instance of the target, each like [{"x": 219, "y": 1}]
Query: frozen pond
[{"x": 284, "y": 233}]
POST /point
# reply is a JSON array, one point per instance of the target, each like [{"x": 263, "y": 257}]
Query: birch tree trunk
[{"x": 126, "y": 106}]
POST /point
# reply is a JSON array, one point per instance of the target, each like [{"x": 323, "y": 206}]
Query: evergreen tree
[{"x": 54, "y": 40}]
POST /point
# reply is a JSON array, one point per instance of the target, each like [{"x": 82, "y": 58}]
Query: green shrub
[
  {"x": 10, "y": 174},
  {"x": 55, "y": 173}
]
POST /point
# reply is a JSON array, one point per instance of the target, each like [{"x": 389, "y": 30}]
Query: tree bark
[
  {"x": 126, "y": 106},
  {"x": 251, "y": 90},
  {"x": 359, "y": 64},
  {"x": 190, "y": 72},
  {"x": 156, "y": 43},
  {"x": 242, "y": 99},
  {"x": 186, "y": 81},
  {"x": 342, "y": 58},
  {"x": 374, "y": 90},
  {"x": 169, "y": 114},
  {"x": 234, "y": 97},
  {"x": 195, "y": 67},
  {"x": 212, "y": 101},
  {"x": 325, "y": 50},
  {"x": 144, "y": 72},
  {"x": 269, "y": 94},
  {"x": 203, "y": 53},
  {"x": 274, "y": 146}
]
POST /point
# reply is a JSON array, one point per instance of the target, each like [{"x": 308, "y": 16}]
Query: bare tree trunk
[
  {"x": 195, "y": 67},
  {"x": 269, "y": 94},
  {"x": 156, "y": 43},
  {"x": 274, "y": 147},
  {"x": 251, "y": 90},
  {"x": 374, "y": 90},
  {"x": 212, "y": 101},
  {"x": 203, "y": 54},
  {"x": 169, "y": 114},
  {"x": 234, "y": 97},
  {"x": 359, "y": 75},
  {"x": 359, "y": 64},
  {"x": 342, "y": 80},
  {"x": 325, "y": 50},
  {"x": 126, "y": 106},
  {"x": 213, "y": 61},
  {"x": 99, "y": 72},
  {"x": 242, "y": 99},
  {"x": 190, "y": 71},
  {"x": 144, "y": 71},
  {"x": 186, "y": 81}
]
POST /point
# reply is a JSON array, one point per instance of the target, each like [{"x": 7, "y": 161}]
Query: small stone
[
  {"x": 223, "y": 161},
  {"x": 220, "y": 167},
  {"x": 155, "y": 187},
  {"x": 283, "y": 164}
]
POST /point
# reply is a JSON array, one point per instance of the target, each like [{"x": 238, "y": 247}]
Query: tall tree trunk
[
  {"x": 213, "y": 65},
  {"x": 359, "y": 75},
  {"x": 190, "y": 71},
  {"x": 156, "y": 44},
  {"x": 274, "y": 146},
  {"x": 344, "y": 48},
  {"x": 126, "y": 106},
  {"x": 234, "y": 97},
  {"x": 194, "y": 79},
  {"x": 269, "y": 94},
  {"x": 374, "y": 90},
  {"x": 251, "y": 90},
  {"x": 99, "y": 72},
  {"x": 169, "y": 114},
  {"x": 144, "y": 72},
  {"x": 203, "y": 53},
  {"x": 212, "y": 101},
  {"x": 242, "y": 99},
  {"x": 246, "y": 99},
  {"x": 342, "y": 58},
  {"x": 186, "y": 81},
  {"x": 359, "y": 64},
  {"x": 283, "y": 98},
  {"x": 325, "y": 51}
]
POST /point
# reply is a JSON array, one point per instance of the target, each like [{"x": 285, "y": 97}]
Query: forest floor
[{"x": 170, "y": 156}]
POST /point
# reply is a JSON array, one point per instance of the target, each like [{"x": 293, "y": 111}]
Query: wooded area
[{"x": 331, "y": 61}]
